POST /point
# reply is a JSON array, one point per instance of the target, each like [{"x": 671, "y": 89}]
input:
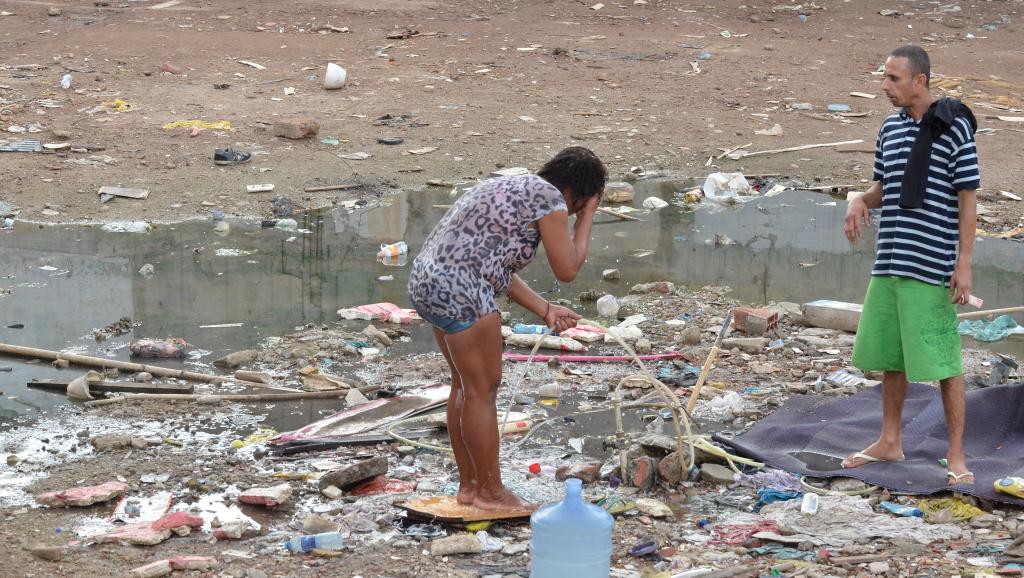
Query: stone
[
  {"x": 296, "y": 128},
  {"x": 515, "y": 548},
  {"x": 716, "y": 474},
  {"x": 457, "y": 544},
  {"x": 691, "y": 335},
  {"x": 355, "y": 397},
  {"x": 653, "y": 508},
  {"x": 666, "y": 287},
  {"x": 816, "y": 342},
  {"x": 610, "y": 274},
  {"x": 746, "y": 344},
  {"x": 139, "y": 443},
  {"x": 45, "y": 551},
  {"x": 669, "y": 469},
  {"x": 643, "y": 346},
  {"x": 269, "y": 497},
  {"x": 587, "y": 473},
  {"x": 171, "y": 68},
  {"x": 255, "y": 573},
  {"x": 12, "y": 460},
  {"x": 143, "y": 377},
  {"x": 349, "y": 476},
  {"x": 373, "y": 332},
  {"x": 317, "y": 524},
  {"x": 304, "y": 350},
  {"x": 763, "y": 368},
  {"x": 54, "y": 11},
  {"x": 236, "y": 359},
  {"x": 108, "y": 442},
  {"x": 359, "y": 523},
  {"x": 332, "y": 492},
  {"x": 877, "y": 568}
]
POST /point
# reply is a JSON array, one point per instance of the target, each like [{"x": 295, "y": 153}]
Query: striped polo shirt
[{"x": 922, "y": 243}]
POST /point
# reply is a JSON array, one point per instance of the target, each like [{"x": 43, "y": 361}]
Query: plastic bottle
[
  {"x": 399, "y": 248},
  {"x": 1011, "y": 486},
  {"x": 325, "y": 541},
  {"x": 526, "y": 329},
  {"x": 901, "y": 510},
  {"x": 571, "y": 538}
]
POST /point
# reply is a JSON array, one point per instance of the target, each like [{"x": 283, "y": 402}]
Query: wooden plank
[{"x": 61, "y": 385}]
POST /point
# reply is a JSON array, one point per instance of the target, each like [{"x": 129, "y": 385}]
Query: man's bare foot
[
  {"x": 957, "y": 473},
  {"x": 503, "y": 500},
  {"x": 876, "y": 452}
]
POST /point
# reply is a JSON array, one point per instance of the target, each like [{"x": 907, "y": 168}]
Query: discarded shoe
[{"x": 230, "y": 156}]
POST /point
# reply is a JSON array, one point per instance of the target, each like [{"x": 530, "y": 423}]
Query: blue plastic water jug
[{"x": 571, "y": 538}]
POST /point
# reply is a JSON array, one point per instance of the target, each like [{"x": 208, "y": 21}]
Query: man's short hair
[{"x": 917, "y": 58}]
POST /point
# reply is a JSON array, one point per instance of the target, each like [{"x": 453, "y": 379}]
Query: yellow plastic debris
[
  {"x": 1011, "y": 486},
  {"x": 118, "y": 105},
  {"x": 259, "y": 436},
  {"x": 477, "y": 526},
  {"x": 217, "y": 125},
  {"x": 957, "y": 509}
]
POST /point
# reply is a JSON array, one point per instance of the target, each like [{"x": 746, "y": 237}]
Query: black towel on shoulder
[{"x": 936, "y": 121}]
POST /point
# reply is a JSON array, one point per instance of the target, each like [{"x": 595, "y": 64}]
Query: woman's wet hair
[{"x": 578, "y": 169}]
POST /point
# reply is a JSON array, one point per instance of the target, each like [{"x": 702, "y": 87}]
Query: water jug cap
[{"x": 573, "y": 487}]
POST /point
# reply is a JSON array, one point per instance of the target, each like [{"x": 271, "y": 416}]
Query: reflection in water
[{"x": 68, "y": 280}]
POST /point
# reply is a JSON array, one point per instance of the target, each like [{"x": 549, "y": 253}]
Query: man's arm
[{"x": 960, "y": 284}]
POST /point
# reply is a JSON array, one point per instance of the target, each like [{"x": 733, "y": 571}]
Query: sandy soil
[{"x": 488, "y": 84}]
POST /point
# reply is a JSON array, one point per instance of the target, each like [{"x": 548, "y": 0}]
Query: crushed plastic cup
[{"x": 334, "y": 76}]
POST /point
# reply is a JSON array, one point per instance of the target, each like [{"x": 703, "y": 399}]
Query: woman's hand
[
  {"x": 560, "y": 318},
  {"x": 590, "y": 207}
]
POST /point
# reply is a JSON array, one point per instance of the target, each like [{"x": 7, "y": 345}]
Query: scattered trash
[
  {"x": 654, "y": 203},
  {"x": 261, "y": 188},
  {"x": 619, "y": 192},
  {"x": 722, "y": 185},
  {"x": 989, "y": 331},
  {"x": 83, "y": 496},
  {"x": 203, "y": 124},
  {"x": 1011, "y": 486},
  {"x": 229, "y": 156},
  {"x": 775, "y": 130},
  {"x": 306, "y": 544}
]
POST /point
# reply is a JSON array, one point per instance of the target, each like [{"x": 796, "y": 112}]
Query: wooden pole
[
  {"x": 615, "y": 213},
  {"x": 708, "y": 363},
  {"x": 101, "y": 363},
  {"x": 333, "y": 188},
  {"x": 977, "y": 314}
]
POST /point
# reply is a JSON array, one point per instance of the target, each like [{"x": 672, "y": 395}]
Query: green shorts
[{"x": 908, "y": 326}]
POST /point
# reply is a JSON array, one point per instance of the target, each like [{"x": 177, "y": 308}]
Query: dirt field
[{"x": 488, "y": 84}]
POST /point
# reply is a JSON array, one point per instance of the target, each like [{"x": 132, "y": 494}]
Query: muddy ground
[{"x": 489, "y": 85}]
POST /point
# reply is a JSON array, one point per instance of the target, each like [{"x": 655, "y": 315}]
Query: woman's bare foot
[
  {"x": 876, "y": 452},
  {"x": 503, "y": 500},
  {"x": 466, "y": 495}
]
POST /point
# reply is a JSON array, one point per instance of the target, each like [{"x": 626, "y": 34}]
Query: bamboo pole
[
  {"x": 615, "y": 213},
  {"x": 712, "y": 355},
  {"x": 217, "y": 398},
  {"x": 101, "y": 363}
]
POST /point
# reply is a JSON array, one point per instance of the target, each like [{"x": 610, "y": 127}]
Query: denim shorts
[{"x": 443, "y": 323}]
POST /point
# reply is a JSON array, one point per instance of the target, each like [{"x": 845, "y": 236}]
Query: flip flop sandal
[
  {"x": 951, "y": 477},
  {"x": 869, "y": 459}
]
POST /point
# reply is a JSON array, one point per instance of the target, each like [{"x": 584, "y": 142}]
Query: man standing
[{"x": 925, "y": 177}]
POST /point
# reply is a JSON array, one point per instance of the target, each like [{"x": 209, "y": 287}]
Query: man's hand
[
  {"x": 960, "y": 284},
  {"x": 857, "y": 217},
  {"x": 561, "y": 318}
]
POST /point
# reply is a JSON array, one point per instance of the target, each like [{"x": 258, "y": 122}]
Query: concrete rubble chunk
[
  {"x": 355, "y": 397},
  {"x": 666, "y": 287},
  {"x": 83, "y": 496},
  {"x": 457, "y": 544},
  {"x": 152, "y": 533},
  {"x": 588, "y": 473},
  {"x": 269, "y": 497},
  {"x": 716, "y": 474},
  {"x": 296, "y": 128},
  {"x": 833, "y": 314},
  {"x": 46, "y": 552},
  {"x": 351, "y": 475},
  {"x": 167, "y": 566},
  {"x": 236, "y": 359},
  {"x": 653, "y": 508},
  {"x": 317, "y": 524},
  {"x": 746, "y": 344}
]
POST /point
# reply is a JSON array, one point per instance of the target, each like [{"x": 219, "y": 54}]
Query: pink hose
[{"x": 590, "y": 358}]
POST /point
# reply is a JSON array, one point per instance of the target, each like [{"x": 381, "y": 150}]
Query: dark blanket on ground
[{"x": 804, "y": 433}]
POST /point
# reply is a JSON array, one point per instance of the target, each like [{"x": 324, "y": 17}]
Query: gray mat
[{"x": 811, "y": 434}]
